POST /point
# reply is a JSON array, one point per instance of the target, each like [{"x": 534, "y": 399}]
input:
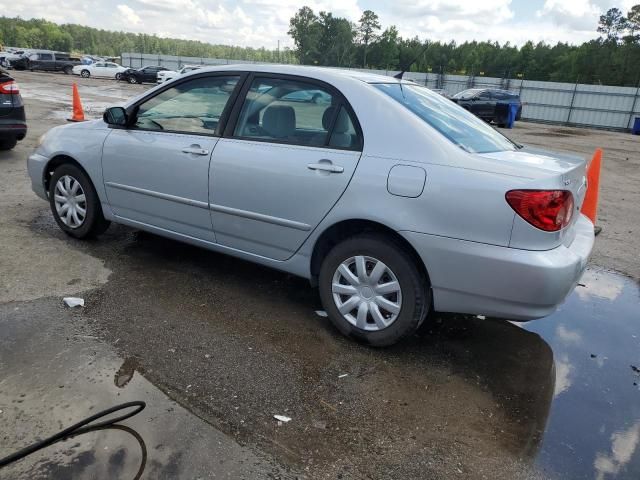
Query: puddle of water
[
  {"x": 593, "y": 430},
  {"x": 69, "y": 375}
]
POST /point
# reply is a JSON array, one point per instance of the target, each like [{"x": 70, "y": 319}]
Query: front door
[
  {"x": 289, "y": 157},
  {"x": 156, "y": 172}
]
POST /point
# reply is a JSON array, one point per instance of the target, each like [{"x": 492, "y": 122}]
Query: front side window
[
  {"x": 295, "y": 112},
  {"x": 194, "y": 106},
  {"x": 46, "y": 56},
  {"x": 454, "y": 122}
]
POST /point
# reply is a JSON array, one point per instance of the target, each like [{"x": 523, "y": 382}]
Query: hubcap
[
  {"x": 70, "y": 201},
  {"x": 367, "y": 293}
]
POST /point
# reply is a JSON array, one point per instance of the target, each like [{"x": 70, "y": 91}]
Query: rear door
[{"x": 284, "y": 162}]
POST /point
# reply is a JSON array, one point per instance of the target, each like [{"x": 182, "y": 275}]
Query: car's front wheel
[
  {"x": 372, "y": 289},
  {"x": 75, "y": 204},
  {"x": 85, "y": 74},
  {"x": 133, "y": 80}
]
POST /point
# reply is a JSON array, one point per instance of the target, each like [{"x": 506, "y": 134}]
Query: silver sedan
[{"x": 391, "y": 199}]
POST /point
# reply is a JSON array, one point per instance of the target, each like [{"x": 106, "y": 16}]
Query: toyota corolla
[{"x": 391, "y": 199}]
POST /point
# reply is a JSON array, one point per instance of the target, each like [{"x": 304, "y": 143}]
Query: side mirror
[{"x": 116, "y": 116}]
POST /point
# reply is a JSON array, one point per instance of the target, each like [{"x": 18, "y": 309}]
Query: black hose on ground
[{"x": 80, "y": 427}]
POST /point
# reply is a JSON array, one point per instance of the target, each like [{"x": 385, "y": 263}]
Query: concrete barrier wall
[{"x": 597, "y": 106}]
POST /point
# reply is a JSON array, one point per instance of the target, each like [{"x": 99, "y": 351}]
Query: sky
[{"x": 258, "y": 23}]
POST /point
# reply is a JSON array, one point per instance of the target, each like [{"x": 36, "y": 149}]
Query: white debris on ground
[
  {"x": 73, "y": 301},
  {"x": 321, "y": 313},
  {"x": 343, "y": 375},
  {"x": 481, "y": 317},
  {"x": 282, "y": 418}
]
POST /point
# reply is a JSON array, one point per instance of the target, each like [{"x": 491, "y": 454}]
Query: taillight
[
  {"x": 548, "y": 210},
  {"x": 9, "y": 87}
]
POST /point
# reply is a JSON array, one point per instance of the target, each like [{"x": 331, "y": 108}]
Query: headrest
[{"x": 279, "y": 121}]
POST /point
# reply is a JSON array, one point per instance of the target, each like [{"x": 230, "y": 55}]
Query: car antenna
[{"x": 408, "y": 65}]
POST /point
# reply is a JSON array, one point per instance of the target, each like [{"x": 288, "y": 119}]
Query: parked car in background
[
  {"x": 483, "y": 102},
  {"x": 46, "y": 60},
  {"x": 13, "y": 123},
  {"x": 9, "y": 56},
  {"x": 148, "y": 74},
  {"x": 392, "y": 199},
  {"x": 440, "y": 91},
  {"x": 100, "y": 69},
  {"x": 166, "y": 75}
]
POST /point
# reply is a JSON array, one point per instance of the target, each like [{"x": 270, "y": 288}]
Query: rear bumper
[
  {"x": 476, "y": 278},
  {"x": 13, "y": 125}
]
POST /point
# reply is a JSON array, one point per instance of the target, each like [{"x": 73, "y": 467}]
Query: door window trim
[
  {"x": 341, "y": 102},
  {"x": 132, "y": 110}
]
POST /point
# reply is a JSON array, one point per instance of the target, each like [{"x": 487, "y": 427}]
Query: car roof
[{"x": 319, "y": 73}]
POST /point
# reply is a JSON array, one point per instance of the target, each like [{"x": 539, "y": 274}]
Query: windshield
[
  {"x": 466, "y": 94},
  {"x": 454, "y": 122}
]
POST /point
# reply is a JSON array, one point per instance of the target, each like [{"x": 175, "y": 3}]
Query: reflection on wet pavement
[
  {"x": 594, "y": 424},
  {"x": 466, "y": 398},
  {"x": 54, "y": 373}
]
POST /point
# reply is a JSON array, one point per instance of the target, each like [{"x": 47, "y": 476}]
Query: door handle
[
  {"x": 326, "y": 167},
  {"x": 195, "y": 150}
]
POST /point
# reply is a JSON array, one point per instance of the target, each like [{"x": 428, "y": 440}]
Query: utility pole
[{"x": 278, "y": 51}]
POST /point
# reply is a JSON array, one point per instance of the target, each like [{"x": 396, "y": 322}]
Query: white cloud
[
  {"x": 129, "y": 14},
  {"x": 564, "y": 372},
  {"x": 623, "y": 446},
  {"x": 260, "y": 23}
]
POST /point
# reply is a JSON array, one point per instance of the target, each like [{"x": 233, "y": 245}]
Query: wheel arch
[
  {"x": 56, "y": 162},
  {"x": 344, "y": 229}
]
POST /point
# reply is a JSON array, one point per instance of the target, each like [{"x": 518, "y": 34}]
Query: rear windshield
[{"x": 454, "y": 122}]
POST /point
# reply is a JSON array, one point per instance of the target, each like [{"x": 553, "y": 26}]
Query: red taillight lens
[
  {"x": 548, "y": 210},
  {"x": 9, "y": 87}
]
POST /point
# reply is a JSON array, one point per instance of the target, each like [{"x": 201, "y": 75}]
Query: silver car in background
[{"x": 391, "y": 199}]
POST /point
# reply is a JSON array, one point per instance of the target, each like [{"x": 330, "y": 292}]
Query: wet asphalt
[{"x": 216, "y": 346}]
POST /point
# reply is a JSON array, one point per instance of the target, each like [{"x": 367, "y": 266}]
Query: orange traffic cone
[
  {"x": 590, "y": 204},
  {"x": 78, "y": 112}
]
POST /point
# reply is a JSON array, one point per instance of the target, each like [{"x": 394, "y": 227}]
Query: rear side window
[
  {"x": 45, "y": 56},
  {"x": 452, "y": 121},
  {"x": 291, "y": 111}
]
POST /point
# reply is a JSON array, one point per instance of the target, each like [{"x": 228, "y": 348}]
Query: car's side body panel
[{"x": 459, "y": 222}]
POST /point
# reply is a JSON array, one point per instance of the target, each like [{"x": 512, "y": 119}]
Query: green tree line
[
  {"x": 79, "y": 39},
  {"x": 613, "y": 58},
  {"x": 324, "y": 39}
]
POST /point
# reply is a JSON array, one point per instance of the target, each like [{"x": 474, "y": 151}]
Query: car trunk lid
[{"x": 547, "y": 171}]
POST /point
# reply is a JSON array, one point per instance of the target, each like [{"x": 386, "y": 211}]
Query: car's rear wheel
[
  {"x": 8, "y": 143},
  {"x": 372, "y": 289},
  {"x": 85, "y": 74},
  {"x": 75, "y": 204},
  {"x": 133, "y": 80},
  {"x": 118, "y": 76}
]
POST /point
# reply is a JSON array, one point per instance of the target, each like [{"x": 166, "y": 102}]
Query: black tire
[
  {"x": 94, "y": 223},
  {"x": 416, "y": 291},
  {"x": 85, "y": 73},
  {"x": 67, "y": 70},
  {"x": 132, "y": 80},
  {"x": 118, "y": 76},
  {"x": 8, "y": 143}
]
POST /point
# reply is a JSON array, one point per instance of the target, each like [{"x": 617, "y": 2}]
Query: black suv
[
  {"x": 488, "y": 103},
  {"x": 47, "y": 61},
  {"x": 147, "y": 74},
  {"x": 13, "y": 124}
]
